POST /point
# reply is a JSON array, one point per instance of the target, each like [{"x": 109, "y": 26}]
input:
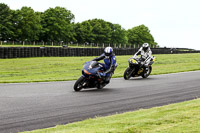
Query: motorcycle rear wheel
[
  {"x": 100, "y": 86},
  {"x": 146, "y": 74},
  {"x": 128, "y": 73},
  {"x": 79, "y": 83}
]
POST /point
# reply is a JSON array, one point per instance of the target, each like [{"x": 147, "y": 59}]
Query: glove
[
  {"x": 134, "y": 56},
  {"x": 102, "y": 74}
]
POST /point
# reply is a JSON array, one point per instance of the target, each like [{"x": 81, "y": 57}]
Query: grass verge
[
  {"x": 43, "y": 69},
  {"x": 175, "y": 118}
]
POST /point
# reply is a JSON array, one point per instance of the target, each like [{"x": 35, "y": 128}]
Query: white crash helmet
[
  {"x": 145, "y": 46},
  {"x": 108, "y": 51}
]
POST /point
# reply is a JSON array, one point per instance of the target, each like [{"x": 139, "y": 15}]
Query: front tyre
[
  {"x": 147, "y": 73},
  {"x": 79, "y": 83},
  {"x": 128, "y": 72}
]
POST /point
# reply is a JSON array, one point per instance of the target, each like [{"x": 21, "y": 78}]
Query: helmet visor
[
  {"x": 107, "y": 54},
  {"x": 145, "y": 48}
]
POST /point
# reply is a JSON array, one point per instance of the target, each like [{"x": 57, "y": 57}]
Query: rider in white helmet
[{"x": 146, "y": 54}]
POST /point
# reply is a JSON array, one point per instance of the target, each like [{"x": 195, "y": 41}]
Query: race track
[{"x": 30, "y": 106}]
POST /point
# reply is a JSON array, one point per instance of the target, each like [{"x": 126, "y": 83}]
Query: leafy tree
[
  {"x": 139, "y": 35},
  {"x": 84, "y": 32},
  {"x": 27, "y": 24},
  {"x": 101, "y": 31},
  {"x": 77, "y": 33},
  {"x": 5, "y": 23},
  {"x": 118, "y": 34},
  {"x": 57, "y": 24}
]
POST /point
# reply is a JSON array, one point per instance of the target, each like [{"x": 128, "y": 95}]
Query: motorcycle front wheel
[
  {"x": 128, "y": 73},
  {"x": 79, "y": 83}
]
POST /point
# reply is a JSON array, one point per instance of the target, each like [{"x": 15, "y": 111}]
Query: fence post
[
  {"x": 23, "y": 43},
  {"x": 51, "y": 43},
  {"x": 34, "y": 43},
  {"x": 43, "y": 43},
  {"x": 1, "y": 42},
  {"x": 13, "y": 43}
]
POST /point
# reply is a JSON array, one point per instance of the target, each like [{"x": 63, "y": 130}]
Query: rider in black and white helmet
[{"x": 146, "y": 54}]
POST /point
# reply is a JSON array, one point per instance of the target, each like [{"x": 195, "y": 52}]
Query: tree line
[{"x": 57, "y": 25}]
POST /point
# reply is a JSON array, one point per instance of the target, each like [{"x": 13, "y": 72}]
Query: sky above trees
[
  {"x": 173, "y": 23},
  {"x": 57, "y": 25}
]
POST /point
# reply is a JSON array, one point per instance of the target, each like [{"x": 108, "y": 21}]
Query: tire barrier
[{"x": 23, "y": 52}]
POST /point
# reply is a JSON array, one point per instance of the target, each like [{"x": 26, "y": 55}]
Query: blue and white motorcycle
[{"x": 91, "y": 76}]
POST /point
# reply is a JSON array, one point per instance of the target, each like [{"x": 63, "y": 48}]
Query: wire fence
[{"x": 66, "y": 44}]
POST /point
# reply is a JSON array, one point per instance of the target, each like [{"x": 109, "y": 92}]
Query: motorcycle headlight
[
  {"x": 85, "y": 71},
  {"x": 133, "y": 61}
]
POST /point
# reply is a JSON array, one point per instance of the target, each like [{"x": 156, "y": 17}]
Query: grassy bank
[
  {"x": 42, "y": 69},
  {"x": 175, "y": 118}
]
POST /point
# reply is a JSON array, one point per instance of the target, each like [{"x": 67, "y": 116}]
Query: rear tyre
[
  {"x": 79, "y": 83},
  {"x": 128, "y": 73},
  {"x": 146, "y": 74},
  {"x": 100, "y": 86}
]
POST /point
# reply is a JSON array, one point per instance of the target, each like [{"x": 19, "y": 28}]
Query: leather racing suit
[
  {"x": 109, "y": 66},
  {"x": 146, "y": 56}
]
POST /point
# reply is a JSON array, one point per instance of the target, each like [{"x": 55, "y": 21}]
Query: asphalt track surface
[{"x": 30, "y": 106}]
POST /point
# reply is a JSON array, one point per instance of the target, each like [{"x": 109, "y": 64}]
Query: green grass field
[
  {"x": 42, "y": 69},
  {"x": 175, "y": 118}
]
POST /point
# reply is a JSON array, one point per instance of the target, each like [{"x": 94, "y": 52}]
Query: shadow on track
[
  {"x": 94, "y": 90},
  {"x": 138, "y": 78}
]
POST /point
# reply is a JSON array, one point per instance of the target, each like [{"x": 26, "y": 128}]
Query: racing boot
[{"x": 146, "y": 68}]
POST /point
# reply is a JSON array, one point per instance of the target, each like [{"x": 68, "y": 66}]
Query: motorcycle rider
[
  {"x": 110, "y": 64},
  {"x": 146, "y": 55}
]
